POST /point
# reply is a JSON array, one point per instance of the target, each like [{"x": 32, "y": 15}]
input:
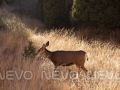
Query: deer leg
[
  {"x": 55, "y": 67},
  {"x": 78, "y": 69},
  {"x": 56, "y": 72},
  {"x": 84, "y": 69}
]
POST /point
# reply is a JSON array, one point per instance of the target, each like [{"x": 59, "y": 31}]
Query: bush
[{"x": 29, "y": 51}]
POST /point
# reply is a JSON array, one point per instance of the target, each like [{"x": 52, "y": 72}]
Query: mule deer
[{"x": 65, "y": 58}]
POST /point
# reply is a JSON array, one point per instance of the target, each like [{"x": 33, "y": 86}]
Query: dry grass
[{"x": 103, "y": 59}]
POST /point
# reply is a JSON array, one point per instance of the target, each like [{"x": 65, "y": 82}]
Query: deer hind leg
[{"x": 84, "y": 69}]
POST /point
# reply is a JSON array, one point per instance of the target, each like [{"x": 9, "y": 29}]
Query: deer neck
[{"x": 48, "y": 54}]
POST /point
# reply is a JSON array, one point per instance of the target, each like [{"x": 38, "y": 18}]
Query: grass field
[{"x": 16, "y": 73}]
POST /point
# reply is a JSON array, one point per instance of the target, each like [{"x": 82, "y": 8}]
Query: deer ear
[{"x": 47, "y": 44}]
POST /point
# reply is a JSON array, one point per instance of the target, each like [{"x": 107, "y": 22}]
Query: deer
[{"x": 64, "y": 58}]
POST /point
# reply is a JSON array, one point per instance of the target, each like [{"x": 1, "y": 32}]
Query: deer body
[
  {"x": 68, "y": 57},
  {"x": 65, "y": 58}
]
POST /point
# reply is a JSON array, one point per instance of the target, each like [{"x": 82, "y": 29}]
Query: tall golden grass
[{"x": 104, "y": 60}]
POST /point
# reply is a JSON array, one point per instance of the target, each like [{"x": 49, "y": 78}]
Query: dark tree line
[
  {"x": 67, "y": 13},
  {"x": 55, "y": 13},
  {"x": 104, "y": 13},
  {"x": 75, "y": 13},
  {"x": 2, "y": 2}
]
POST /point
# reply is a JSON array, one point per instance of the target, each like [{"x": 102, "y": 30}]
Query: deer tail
[{"x": 87, "y": 56}]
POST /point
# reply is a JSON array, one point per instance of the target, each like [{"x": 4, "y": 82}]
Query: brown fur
[{"x": 65, "y": 58}]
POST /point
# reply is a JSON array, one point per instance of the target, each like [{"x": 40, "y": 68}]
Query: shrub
[{"x": 29, "y": 51}]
